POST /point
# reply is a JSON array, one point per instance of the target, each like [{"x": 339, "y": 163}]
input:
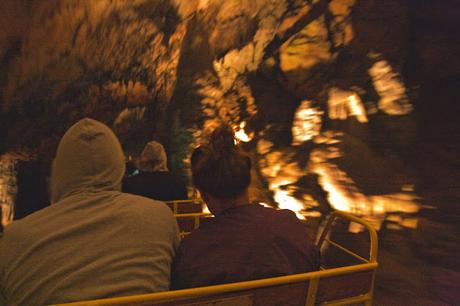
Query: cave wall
[
  {"x": 68, "y": 59},
  {"x": 62, "y": 60},
  {"x": 174, "y": 69}
]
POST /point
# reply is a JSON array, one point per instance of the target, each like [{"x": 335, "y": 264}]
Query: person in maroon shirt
[{"x": 244, "y": 241}]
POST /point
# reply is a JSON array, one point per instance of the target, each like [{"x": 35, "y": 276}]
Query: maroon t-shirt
[{"x": 244, "y": 243}]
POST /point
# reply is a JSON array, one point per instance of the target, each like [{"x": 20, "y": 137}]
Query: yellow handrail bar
[
  {"x": 211, "y": 290},
  {"x": 175, "y": 203},
  {"x": 372, "y": 233},
  {"x": 347, "y": 250},
  {"x": 348, "y": 301},
  {"x": 312, "y": 291},
  {"x": 190, "y": 215}
]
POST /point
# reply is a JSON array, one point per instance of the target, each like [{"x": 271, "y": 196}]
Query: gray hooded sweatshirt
[{"x": 93, "y": 241}]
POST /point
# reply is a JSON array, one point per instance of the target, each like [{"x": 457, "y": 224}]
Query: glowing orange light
[
  {"x": 241, "y": 135},
  {"x": 286, "y": 201},
  {"x": 6, "y": 201},
  {"x": 343, "y": 195},
  {"x": 343, "y": 104},
  {"x": 356, "y": 108},
  {"x": 389, "y": 86},
  {"x": 307, "y": 123}
]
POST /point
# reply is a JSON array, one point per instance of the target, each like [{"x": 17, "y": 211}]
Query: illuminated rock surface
[{"x": 342, "y": 103}]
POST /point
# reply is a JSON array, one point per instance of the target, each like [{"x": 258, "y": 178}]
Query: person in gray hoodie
[
  {"x": 93, "y": 241},
  {"x": 154, "y": 180}
]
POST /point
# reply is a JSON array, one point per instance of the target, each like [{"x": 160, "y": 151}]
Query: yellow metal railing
[
  {"x": 324, "y": 287},
  {"x": 371, "y": 261},
  {"x": 177, "y": 203},
  {"x": 372, "y": 235},
  {"x": 197, "y": 215}
]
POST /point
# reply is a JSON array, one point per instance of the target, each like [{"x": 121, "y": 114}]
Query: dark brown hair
[{"x": 219, "y": 167}]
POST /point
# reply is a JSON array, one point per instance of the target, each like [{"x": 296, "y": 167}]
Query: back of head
[
  {"x": 153, "y": 157},
  {"x": 219, "y": 167},
  {"x": 89, "y": 157}
]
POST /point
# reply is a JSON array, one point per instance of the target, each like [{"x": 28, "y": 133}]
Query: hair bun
[
  {"x": 219, "y": 167},
  {"x": 222, "y": 140}
]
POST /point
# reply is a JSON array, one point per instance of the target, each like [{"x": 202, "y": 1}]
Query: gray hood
[
  {"x": 153, "y": 158},
  {"x": 89, "y": 158}
]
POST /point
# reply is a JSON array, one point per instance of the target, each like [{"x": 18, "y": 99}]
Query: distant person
[
  {"x": 244, "y": 241},
  {"x": 93, "y": 241},
  {"x": 154, "y": 180}
]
